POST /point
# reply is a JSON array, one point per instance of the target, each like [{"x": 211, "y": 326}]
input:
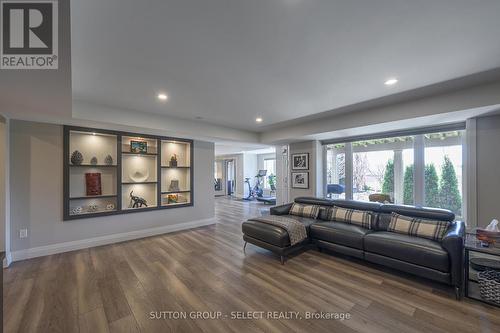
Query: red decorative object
[{"x": 93, "y": 183}]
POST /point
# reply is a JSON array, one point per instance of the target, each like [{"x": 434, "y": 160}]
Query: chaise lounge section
[{"x": 438, "y": 256}]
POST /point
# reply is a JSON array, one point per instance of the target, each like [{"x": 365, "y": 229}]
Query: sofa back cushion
[
  {"x": 360, "y": 218},
  {"x": 304, "y": 210},
  {"x": 427, "y": 213},
  {"x": 419, "y": 227}
]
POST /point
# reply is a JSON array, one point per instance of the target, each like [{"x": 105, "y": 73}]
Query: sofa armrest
[
  {"x": 281, "y": 210},
  {"x": 453, "y": 243}
]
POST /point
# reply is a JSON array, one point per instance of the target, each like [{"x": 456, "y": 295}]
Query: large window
[
  {"x": 423, "y": 169},
  {"x": 378, "y": 168},
  {"x": 443, "y": 171},
  {"x": 270, "y": 166},
  {"x": 335, "y": 174}
]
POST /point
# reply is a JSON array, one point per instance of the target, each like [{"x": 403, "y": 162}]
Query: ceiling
[{"x": 229, "y": 61}]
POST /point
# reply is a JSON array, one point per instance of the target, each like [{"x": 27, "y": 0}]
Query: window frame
[
  {"x": 266, "y": 182},
  {"x": 468, "y": 151}
]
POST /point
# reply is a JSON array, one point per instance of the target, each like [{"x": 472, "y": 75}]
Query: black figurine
[{"x": 138, "y": 201}]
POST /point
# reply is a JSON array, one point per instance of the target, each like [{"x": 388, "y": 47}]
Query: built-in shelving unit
[
  {"x": 176, "y": 175},
  {"x": 131, "y": 172},
  {"x": 139, "y": 172}
]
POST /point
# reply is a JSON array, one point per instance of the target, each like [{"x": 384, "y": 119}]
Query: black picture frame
[
  {"x": 300, "y": 180},
  {"x": 300, "y": 161},
  {"x": 119, "y": 179}
]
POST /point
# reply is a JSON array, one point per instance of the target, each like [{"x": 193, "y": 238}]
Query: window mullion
[
  {"x": 348, "y": 170},
  {"x": 419, "y": 170}
]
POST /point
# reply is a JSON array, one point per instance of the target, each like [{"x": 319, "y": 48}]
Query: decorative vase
[
  {"x": 108, "y": 160},
  {"x": 93, "y": 161},
  {"x": 173, "y": 161},
  {"x": 76, "y": 158}
]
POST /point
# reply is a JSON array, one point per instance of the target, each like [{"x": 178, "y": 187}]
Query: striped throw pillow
[
  {"x": 351, "y": 216},
  {"x": 431, "y": 229},
  {"x": 310, "y": 211}
]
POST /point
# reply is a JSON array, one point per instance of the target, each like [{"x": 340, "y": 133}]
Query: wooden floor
[{"x": 114, "y": 288}]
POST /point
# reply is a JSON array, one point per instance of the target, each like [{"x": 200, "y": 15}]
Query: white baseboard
[
  {"x": 7, "y": 260},
  {"x": 104, "y": 240}
]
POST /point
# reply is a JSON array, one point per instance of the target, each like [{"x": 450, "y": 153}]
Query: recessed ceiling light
[
  {"x": 162, "y": 97},
  {"x": 258, "y": 119},
  {"x": 391, "y": 82}
]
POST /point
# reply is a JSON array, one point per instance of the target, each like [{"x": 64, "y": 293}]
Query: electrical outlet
[{"x": 23, "y": 233}]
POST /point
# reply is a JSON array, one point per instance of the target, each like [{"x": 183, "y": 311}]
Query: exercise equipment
[
  {"x": 250, "y": 195},
  {"x": 256, "y": 191}
]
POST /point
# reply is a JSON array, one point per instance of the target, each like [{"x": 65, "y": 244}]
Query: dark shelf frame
[
  {"x": 175, "y": 192},
  {"x": 144, "y": 154},
  {"x": 94, "y": 197},
  {"x": 176, "y": 205},
  {"x": 92, "y": 166},
  {"x": 176, "y": 167},
  {"x": 119, "y": 153}
]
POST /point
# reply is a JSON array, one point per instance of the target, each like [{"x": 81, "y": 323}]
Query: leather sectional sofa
[{"x": 440, "y": 261}]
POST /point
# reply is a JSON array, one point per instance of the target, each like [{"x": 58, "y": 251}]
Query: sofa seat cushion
[
  {"x": 267, "y": 233},
  {"x": 415, "y": 250},
  {"x": 339, "y": 233},
  {"x": 272, "y": 234}
]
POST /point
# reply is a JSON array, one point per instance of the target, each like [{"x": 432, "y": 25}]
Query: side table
[{"x": 474, "y": 250}]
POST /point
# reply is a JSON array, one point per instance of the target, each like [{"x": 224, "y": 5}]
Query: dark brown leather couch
[{"x": 439, "y": 261}]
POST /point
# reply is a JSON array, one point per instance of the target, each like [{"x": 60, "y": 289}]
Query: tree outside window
[{"x": 270, "y": 166}]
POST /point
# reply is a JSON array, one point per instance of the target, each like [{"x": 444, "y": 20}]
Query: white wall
[
  {"x": 249, "y": 170},
  {"x": 315, "y": 168},
  {"x": 488, "y": 166},
  {"x": 282, "y": 175},
  {"x": 37, "y": 198}
]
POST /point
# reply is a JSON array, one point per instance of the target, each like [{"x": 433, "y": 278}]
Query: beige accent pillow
[
  {"x": 310, "y": 211},
  {"x": 351, "y": 216},
  {"x": 419, "y": 227}
]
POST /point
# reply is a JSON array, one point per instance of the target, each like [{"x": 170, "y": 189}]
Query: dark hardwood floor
[{"x": 114, "y": 288}]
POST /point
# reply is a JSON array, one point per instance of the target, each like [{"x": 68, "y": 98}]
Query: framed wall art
[
  {"x": 138, "y": 147},
  {"x": 300, "y": 161},
  {"x": 300, "y": 180}
]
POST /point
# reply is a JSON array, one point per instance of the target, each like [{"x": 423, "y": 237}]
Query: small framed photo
[
  {"x": 139, "y": 147},
  {"x": 300, "y": 161},
  {"x": 300, "y": 180}
]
